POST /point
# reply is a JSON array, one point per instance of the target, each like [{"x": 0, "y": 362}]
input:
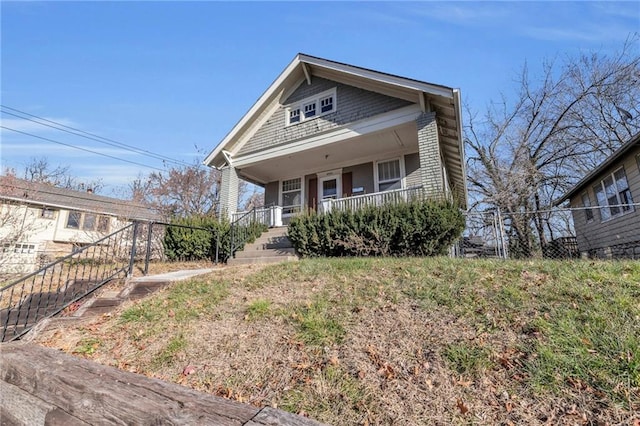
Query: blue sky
[{"x": 168, "y": 77}]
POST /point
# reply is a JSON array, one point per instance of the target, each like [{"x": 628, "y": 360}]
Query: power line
[
  {"x": 88, "y": 135},
  {"x": 82, "y": 149}
]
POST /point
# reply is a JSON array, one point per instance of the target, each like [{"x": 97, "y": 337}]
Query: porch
[{"x": 272, "y": 215}]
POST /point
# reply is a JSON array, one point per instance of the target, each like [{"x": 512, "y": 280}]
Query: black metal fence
[
  {"x": 52, "y": 288},
  {"x": 49, "y": 290}
]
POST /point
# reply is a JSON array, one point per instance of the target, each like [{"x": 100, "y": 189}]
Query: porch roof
[{"x": 443, "y": 100}]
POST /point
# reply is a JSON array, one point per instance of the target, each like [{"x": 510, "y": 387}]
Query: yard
[{"x": 411, "y": 341}]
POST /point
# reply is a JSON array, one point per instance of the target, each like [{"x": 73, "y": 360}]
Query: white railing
[
  {"x": 270, "y": 216},
  {"x": 376, "y": 199}
]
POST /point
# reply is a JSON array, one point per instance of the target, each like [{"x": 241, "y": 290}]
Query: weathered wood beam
[{"x": 47, "y": 385}]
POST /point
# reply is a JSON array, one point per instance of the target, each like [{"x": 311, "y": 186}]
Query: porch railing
[
  {"x": 269, "y": 216},
  {"x": 376, "y": 199},
  {"x": 52, "y": 288}
]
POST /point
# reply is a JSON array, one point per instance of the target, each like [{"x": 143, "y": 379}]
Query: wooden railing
[{"x": 376, "y": 199}]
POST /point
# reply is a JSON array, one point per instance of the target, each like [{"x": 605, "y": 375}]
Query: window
[
  {"x": 47, "y": 213},
  {"x": 312, "y": 107},
  {"x": 389, "y": 175},
  {"x": 20, "y": 248},
  {"x": 326, "y": 104},
  {"x": 310, "y": 110},
  {"x": 291, "y": 196},
  {"x": 88, "y": 222},
  {"x": 73, "y": 221},
  {"x": 613, "y": 194},
  {"x": 294, "y": 116},
  {"x": 103, "y": 224},
  {"x": 588, "y": 213}
]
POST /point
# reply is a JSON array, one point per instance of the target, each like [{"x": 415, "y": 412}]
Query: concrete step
[
  {"x": 266, "y": 253},
  {"x": 251, "y": 260}
]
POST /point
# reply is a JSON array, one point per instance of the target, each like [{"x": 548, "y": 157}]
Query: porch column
[
  {"x": 229, "y": 184},
  {"x": 429, "y": 151}
]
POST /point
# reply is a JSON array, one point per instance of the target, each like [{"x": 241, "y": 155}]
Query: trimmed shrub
[
  {"x": 417, "y": 228},
  {"x": 185, "y": 243}
]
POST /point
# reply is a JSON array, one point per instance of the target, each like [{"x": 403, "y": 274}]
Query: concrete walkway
[{"x": 173, "y": 276}]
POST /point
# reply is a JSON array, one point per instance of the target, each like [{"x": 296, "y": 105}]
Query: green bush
[
  {"x": 185, "y": 243},
  {"x": 417, "y": 228}
]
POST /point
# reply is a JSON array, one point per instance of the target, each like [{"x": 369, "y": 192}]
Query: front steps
[{"x": 272, "y": 246}]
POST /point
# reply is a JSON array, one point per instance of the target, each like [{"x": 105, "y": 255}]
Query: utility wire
[
  {"x": 82, "y": 149},
  {"x": 87, "y": 135}
]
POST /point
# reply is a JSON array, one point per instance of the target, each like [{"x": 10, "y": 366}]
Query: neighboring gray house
[
  {"x": 612, "y": 227},
  {"x": 40, "y": 222},
  {"x": 328, "y": 135}
]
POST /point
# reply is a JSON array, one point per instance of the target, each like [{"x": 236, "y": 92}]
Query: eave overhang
[{"x": 626, "y": 147}]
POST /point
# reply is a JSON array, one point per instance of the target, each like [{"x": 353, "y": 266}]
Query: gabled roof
[
  {"x": 26, "y": 192},
  {"x": 445, "y": 101},
  {"x": 626, "y": 147}
]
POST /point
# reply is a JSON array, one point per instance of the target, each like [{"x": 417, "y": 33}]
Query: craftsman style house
[
  {"x": 606, "y": 203},
  {"x": 331, "y": 135},
  {"x": 39, "y": 222}
]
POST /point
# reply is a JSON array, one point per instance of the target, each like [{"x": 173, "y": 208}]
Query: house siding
[
  {"x": 352, "y": 104},
  {"x": 618, "y": 236},
  {"x": 229, "y": 184},
  {"x": 429, "y": 153}
]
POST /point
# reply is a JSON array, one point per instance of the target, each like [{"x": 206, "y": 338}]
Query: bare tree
[
  {"x": 40, "y": 170},
  {"x": 524, "y": 155},
  {"x": 179, "y": 191}
]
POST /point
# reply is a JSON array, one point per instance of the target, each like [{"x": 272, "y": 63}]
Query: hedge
[
  {"x": 185, "y": 243},
  {"x": 417, "y": 228}
]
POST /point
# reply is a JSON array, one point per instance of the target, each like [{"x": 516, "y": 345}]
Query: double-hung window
[
  {"x": 291, "y": 196},
  {"x": 613, "y": 195},
  {"x": 87, "y": 221},
  {"x": 389, "y": 175},
  {"x": 586, "y": 202},
  {"x": 312, "y": 107}
]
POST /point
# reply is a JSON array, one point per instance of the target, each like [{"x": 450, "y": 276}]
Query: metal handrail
[{"x": 49, "y": 290}]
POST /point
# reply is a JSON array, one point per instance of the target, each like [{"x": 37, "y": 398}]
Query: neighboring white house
[
  {"x": 39, "y": 222},
  {"x": 329, "y": 134}
]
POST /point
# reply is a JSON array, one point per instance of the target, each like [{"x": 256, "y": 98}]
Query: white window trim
[
  {"x": 302, "y": 194},
  {"x": 622, "y": 212},
  {"x": 311, "y": 100},
  {"x": 403, "y": 175}
]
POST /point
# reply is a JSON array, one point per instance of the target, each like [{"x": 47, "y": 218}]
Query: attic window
[
  {"x": 312, "y": 107},
  {"x": 294, "y": 116}
]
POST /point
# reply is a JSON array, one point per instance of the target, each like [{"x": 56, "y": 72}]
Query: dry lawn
[{"x": 389, "y": 341}]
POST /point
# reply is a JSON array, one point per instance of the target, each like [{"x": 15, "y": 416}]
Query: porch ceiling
[{"x": 357, "y": 150}]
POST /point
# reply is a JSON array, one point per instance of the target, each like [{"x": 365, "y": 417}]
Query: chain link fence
[{"x": 611, "y": 232}]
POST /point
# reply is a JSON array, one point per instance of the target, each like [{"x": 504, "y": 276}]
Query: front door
[{"x": 329, "y": 188}]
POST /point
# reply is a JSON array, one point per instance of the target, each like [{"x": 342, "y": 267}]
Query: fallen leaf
[
  {"x": 189, "y": 369},
  {"x": 461, "y": 406}
]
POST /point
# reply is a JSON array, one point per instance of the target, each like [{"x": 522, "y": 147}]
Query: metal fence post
[
  {"x": 133, "y": 248},
  {"x": 148, "y": 254}
]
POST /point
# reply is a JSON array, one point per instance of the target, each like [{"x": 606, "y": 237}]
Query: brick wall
[{"x": 429, "y": 152}]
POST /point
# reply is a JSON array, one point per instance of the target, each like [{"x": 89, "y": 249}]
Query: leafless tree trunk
[{"x": 524, "y": 155}]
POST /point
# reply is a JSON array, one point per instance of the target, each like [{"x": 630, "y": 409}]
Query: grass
[{"x": 381, "y": 341}]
